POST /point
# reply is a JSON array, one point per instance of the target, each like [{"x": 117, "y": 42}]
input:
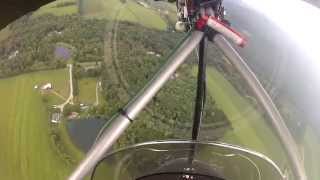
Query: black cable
[
  {"x": 200, "y": 98},
  {"x": 95, "y": 168},
  {"x": 201, "y": 92}
]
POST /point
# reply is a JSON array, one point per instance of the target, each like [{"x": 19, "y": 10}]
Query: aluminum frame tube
[
  {"x": 266, "y": 101},
  {"x": 122, "y": 121}
]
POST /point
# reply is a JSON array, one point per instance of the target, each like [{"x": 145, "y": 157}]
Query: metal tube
[
  {"x": 121, "y": 122},
  {"x": 266, "y": 101}
]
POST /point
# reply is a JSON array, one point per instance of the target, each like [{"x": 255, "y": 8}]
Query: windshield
[
  {"x": 167, "y": 160},
  {"x": 67, "y": 68}
]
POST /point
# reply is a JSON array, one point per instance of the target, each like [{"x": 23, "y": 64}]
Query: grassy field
[
  {"x": 87, "y": 90},
  {"x": 52, "y": 8},
  {"x": 311, "y": 147},
  {"x": 250, "y": 129},
  {"x": 129, "y": 11},
  {"x": 107, "y": 9},
  {"x": 27, "y": 147},
  {"x": 54, "y": 99},
  {"x": 134, "y": 12},
  {"x": 60, "y": 86}
]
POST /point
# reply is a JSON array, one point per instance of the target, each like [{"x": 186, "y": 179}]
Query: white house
[
  {"x": 151, "y": 53},
  {"x": 47, "y": 86},
  {"x": 14, "y": 54},
  {"x": 55, "y": 117}
]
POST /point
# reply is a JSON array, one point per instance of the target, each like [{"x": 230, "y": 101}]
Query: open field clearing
[
  {"x": 311, "y": 149},
  {"x": 87, "y": 90},
  {"x": 134, "y": 12},
  {"x": 57, "y": 8},
  {"x": 112, "y": 10},
  {"x": 115, "y": 10},
  {"x": 28, "y": 151},
  {"x": 250, "y": 129}
]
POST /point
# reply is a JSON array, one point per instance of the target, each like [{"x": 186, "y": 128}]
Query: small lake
[{"x": 83, "y": 132}]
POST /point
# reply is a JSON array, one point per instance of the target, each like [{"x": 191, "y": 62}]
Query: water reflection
[{"x": 83, "y": 132}]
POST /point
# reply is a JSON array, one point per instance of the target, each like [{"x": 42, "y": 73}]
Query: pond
[{"x": 83, "y": 132}]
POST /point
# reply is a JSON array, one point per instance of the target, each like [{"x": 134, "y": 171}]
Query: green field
[
  {"x": 58, "y": 11},
  {"x": 61, "y": 11},
  {"x": 87, "y": 90},
  {"x": 116, "y": 11},
  {"x": 53, "y": 99},
  {"x": 60, "y": 84},
  {"x": 107, "y": 9},
  {"x": 27, "y": 149},
  {"x": 133, "y": 12},
  {"x": 311, "y": 148},
  {"x": 250, "y": 129}
]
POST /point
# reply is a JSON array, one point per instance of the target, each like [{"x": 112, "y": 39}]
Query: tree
[
  {"x": 68, "y": 109},
  {"x": 45, "y": 99}
]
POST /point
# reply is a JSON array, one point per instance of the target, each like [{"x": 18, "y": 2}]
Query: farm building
[
  {"x": 14, "y": 54},
  {"x": 55, "y": 117},
  {"x": 46, "y": 86}
]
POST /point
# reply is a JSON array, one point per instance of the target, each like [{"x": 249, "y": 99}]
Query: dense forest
[
  {"x": 34, "y": 43},
  {"x": 131, "y": 62}
]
